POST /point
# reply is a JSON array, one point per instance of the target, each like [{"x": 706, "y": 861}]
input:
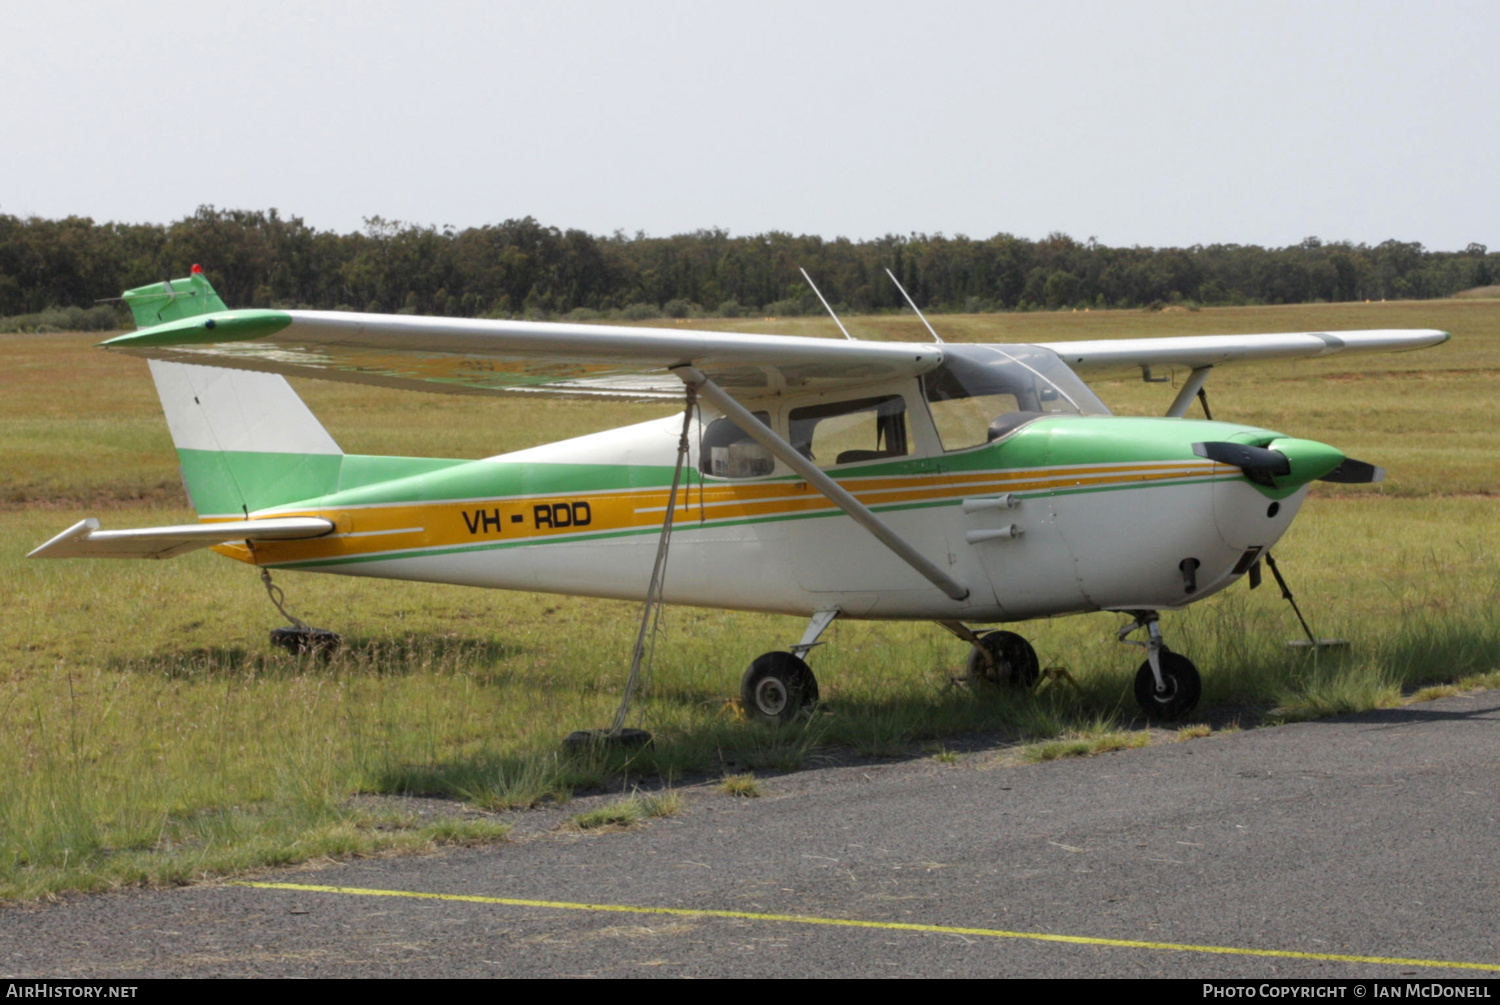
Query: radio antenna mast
[
  {"x": 835, "y": 317},
  {"x": 935, "y": 336}
]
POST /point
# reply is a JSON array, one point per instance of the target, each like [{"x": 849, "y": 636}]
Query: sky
[{"x": 1150, "y": 123}]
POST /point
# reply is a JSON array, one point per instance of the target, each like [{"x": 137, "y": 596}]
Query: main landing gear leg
[
  {"x": 1167, "y": 685},
  {"x": 780, "y": 687},
  {"x": 997, "y": 658}
]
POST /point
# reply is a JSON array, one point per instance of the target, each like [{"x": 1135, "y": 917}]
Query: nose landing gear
[
  {"x": 997, "y": 659},
  {"x": 1167, "y": 685},
  {"x": 1002, "y": 659}
]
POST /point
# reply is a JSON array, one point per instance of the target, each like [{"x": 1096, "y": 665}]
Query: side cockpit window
[
  {"x": 962, "y": 419},
  {"x": 846, "y": 432},
  {"x": 727, "y": 451},
  {"x": 984, "y": 392}
]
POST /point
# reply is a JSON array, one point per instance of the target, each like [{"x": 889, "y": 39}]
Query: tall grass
[{"x": 162, "y": 772}]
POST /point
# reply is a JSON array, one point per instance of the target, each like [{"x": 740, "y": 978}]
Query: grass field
[{"x": 151, "y": 735}]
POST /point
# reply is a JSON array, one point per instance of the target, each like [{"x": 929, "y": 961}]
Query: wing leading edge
[
  {"x": 572, "y": 360},
  {"x": 1199, "y": 351},
  {"x": 519, "y": 357}
]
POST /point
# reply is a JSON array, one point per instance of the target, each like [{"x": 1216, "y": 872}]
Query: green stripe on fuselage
[
  {"x": 498, "y": 479},
  {"x": 1049, "y": 442},
  {"x": 224, "y": 481}
]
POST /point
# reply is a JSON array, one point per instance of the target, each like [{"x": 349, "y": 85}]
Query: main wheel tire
[
  {"x": 1015, "y": 662},
  {"x": 778, "y": 687},
  {"x": 1183, "y": 687}
]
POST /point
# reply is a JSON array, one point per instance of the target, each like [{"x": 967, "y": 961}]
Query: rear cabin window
[
  {"x": 846, "y": 432},
  {"x": 727, "y": 451}
]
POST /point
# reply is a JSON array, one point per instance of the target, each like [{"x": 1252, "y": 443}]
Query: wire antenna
[
  {"x": 935, "y": 336},
  {"x": 819, "y": 292}
]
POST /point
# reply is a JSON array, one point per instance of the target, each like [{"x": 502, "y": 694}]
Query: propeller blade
[
  {"x": 1353, "y": 472},
  {"x": 1260, "y": 465}
]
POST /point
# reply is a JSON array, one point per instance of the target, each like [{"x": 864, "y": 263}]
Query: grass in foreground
[
  {"x": 177, "y": 762},
  {"x": 1101, "y": 738},
  {"x": 744, "y": 786},
  {"x": 629, "y": 811}
]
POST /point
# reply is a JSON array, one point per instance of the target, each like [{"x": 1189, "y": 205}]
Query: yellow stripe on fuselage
[{"x": 394, "y": 528}]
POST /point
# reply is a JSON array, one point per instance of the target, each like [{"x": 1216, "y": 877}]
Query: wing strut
[
  {"x": 839, "y": 496},
  {"x": 1191, "y": 388}
]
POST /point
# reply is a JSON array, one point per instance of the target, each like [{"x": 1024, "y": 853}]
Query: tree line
[{"x": 521, "y": 268}]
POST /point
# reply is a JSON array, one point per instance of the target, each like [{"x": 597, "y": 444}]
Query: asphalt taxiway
[{"x": 1362, "y": 846}]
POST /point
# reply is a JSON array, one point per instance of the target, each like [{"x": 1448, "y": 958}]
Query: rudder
[{"x": 244, "y": 439}]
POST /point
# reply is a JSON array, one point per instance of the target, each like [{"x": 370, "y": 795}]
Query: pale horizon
[{"x": 1159, "y": 124}]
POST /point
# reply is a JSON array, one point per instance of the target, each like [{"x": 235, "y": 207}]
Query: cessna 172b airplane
[{"x": 962, "y": 484}]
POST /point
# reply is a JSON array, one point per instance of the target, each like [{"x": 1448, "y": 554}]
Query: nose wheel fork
[{"x": 1167, "y": 684}]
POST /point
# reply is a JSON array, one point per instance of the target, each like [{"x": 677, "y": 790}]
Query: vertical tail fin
[{"x": 244, "y": 439}]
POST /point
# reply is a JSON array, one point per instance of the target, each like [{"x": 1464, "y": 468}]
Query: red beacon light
[{"x": 197, "y": 269}]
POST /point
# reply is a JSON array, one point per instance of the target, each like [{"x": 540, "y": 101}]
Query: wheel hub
[{"x": 770, "y": 696}]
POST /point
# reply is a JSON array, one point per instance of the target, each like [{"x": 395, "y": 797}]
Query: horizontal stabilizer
[{"x": 85, "y": 540}]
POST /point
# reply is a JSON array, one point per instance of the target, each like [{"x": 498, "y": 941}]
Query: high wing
[
  {"x": 1200, "y": 351},
  {"x": 580, "y": 360},
  {"x": 519, "y": 357}
]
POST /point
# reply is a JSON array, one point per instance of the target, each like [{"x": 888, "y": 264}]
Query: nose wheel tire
[
  {"x": 1015, "y": 662},
  {"x": 777, "y": 688},
  {"x": 1180, "y": 694}
]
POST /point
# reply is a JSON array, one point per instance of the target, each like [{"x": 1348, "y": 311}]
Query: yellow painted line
[{"x": 890, "y": 926}]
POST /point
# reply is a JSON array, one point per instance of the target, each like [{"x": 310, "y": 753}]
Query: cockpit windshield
[{"x": 982, "y": 392}]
